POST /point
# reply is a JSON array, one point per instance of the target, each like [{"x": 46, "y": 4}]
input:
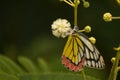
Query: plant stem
[
  {"x": 75, "y": 13},
  {"x": 83, "y": 75},
  {"x": 118, "y": 68},
  {"x": 69, "y": 2},
  {"x": 115, "y": 17},
  {"x": 114, "y": 70}
]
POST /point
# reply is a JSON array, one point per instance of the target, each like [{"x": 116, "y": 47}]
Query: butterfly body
[{"x": 79, "y": 51}]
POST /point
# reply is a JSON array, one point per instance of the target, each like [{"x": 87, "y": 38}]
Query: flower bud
[
  {"x": 93, "y": 40},
  {"x": 87, "y": 29},
  {"x": 107, "y": 17},
  {"x": 113, "y": 59},
  {"x": 78, "y": 2},
  {"x": 86, "y": 4}
]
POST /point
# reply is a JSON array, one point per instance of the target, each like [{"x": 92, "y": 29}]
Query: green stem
[
  {"x": 115, "y": 17},
  {"x": 69, "y": 2},
  {"x": 114, "y": 70},
  {"x": 83, "y": 75},
  {"x": 75, "y": 13},
  {"x": 118, "y": 68}
]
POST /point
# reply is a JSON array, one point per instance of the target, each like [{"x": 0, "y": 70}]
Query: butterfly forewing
[{"x": 73, "y": 57}]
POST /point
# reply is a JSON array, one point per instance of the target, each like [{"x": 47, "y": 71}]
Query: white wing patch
[
  {"x": 92, "y": 56},
  {"x": 87, "y": 43}
]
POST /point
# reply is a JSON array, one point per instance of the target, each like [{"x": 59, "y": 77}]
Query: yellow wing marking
[
  {"x": 73, "y": 59},
  {"x": 67, "y": 44},
  {"x": 78, "y": 41},
  {"x": 75, "y": 47},
  {"x": 68, "y": 47},
  {"x": 71, "y": 55},
  {"x": 71, "y": 49},
  {"x": 76, "y": 60}
]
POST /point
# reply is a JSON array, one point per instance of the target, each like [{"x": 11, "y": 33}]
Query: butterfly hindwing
[{"x": 93, "y": 57}]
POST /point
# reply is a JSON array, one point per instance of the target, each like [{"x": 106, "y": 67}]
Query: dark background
[{"x": 25, "y": 28}]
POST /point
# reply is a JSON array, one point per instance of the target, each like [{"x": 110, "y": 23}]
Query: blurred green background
[{"x": 25, "y": 29}]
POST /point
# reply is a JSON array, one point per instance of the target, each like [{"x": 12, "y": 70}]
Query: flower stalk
[
  {"x": 115, "y": 17},
  {"x": 75, "y": 12},
  {"x": 115, "y": 67},
  {"x": 75, "y": 6},
  {"x": 76, "y": 2},
  {"x": 69, "y": 2},
  {"x": 83, "y": 74}
]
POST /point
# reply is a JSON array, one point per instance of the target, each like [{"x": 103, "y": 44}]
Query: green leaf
[
  {"x": 43, "y": 65},
  {"x": 28, "y": 64},
  {"x": 8, "y": 66},
  {"x": 54, "y": 76},
  {"x": 5, "y": 76}
]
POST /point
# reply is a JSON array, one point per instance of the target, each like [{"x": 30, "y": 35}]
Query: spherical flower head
[
  {"x": 87, "y": 29},
  {"x": 107, "y": 17},
  {"x": 93, "y": 40},
  {"x": 61, "y": 28}
]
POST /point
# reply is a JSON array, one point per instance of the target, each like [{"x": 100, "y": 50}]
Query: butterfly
[{"x": 79, "y": 51}]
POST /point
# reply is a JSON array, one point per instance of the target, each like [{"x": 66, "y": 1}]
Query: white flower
[{"x": 61, "y": 28}]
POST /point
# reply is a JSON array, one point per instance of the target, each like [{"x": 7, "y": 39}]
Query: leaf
[
  {"x": 8, "y": 66},
  {"x": 43, "y": 65},
  {"x": 54, "y": 76},
  {"x": 5, "y": 76},
  {"x": 28, "y": 64}
]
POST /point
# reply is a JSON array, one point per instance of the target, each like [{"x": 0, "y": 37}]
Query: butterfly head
[{"x": 75, "y": 30}]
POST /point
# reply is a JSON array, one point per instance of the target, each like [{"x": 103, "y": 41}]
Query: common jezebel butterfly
[{"x": 79, "y": 51}]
